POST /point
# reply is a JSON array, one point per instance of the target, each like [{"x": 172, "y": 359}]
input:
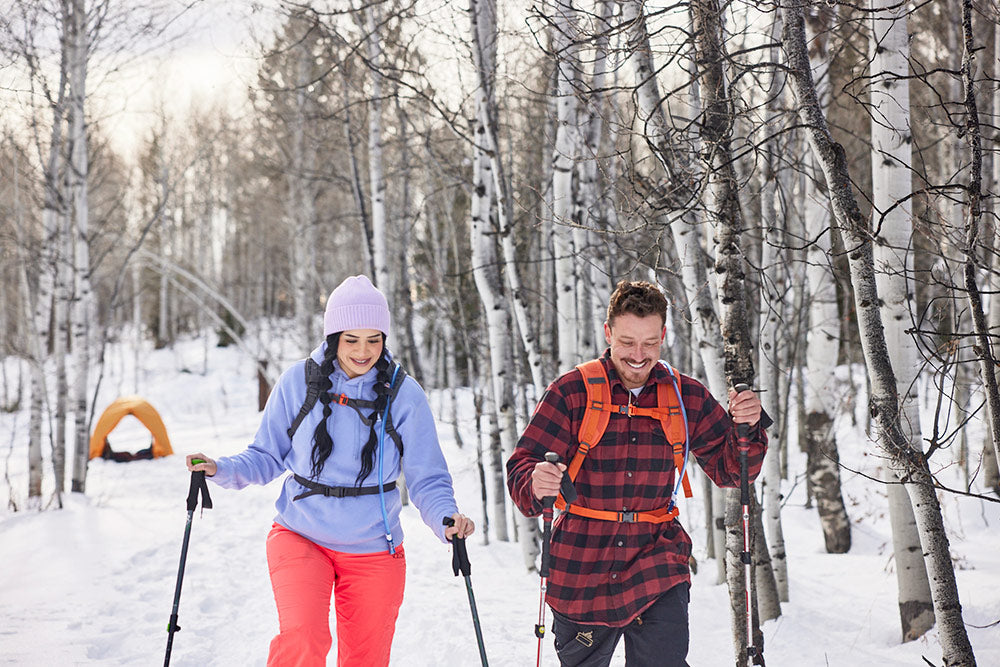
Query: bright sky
[{"x": 209, "y": 60}]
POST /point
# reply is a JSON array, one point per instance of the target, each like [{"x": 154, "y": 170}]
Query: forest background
[{"x": 811, "y": 183}]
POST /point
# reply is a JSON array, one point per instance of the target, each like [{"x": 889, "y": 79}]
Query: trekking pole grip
[
  {"x": 459, "y": 554},
  {"x": 566, "y": 487},
  {"x": 742, "y": 429},
  {"x": 743, "y": 446}
]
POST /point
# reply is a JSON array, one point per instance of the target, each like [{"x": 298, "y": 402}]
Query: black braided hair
[
  {"x": 382, "y": 385},
  {"x": 322, "y": 442}
]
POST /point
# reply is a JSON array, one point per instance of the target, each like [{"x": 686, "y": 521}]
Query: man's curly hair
[{"x": 639, "y": 298}]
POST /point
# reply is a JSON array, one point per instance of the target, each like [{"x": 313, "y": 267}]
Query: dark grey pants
[{"x": 657, "y": 638}]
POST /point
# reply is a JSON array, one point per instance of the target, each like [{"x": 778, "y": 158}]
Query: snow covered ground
[{"x": 94, "y": 583}]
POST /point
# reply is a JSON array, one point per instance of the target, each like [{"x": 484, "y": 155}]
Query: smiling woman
[{"x": 334, "y": 521}]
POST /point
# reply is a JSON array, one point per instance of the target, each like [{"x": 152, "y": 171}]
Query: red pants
[{"x": 368, "y": 588}]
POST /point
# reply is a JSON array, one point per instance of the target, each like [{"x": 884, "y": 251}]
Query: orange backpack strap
[
  {"x": 596, "y": 416},
  {"x": 675, "y": 428}
]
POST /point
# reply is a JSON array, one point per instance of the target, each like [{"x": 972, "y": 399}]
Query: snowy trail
[{"x": 93, "y": 584}]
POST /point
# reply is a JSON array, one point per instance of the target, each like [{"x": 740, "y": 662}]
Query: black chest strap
[{"x": 317, "y": 489}]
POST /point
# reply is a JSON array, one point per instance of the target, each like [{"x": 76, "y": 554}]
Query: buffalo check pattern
[{"x": 607, "y": 572}]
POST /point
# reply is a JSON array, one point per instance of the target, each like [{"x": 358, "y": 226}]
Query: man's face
[{"x": 635, "y": 346}]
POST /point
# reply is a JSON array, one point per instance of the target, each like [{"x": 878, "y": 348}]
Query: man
[{"x": 619, "y": 557}]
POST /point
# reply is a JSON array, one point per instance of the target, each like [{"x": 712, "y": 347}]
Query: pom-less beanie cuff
[{"x": 356, "y": 304}]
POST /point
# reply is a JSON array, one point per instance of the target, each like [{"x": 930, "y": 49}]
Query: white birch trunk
[
  {"x": 893, "y": 256},
  {"x": 137, "y": 325},
  {"x": 60, "y": 315},
  {"x": 991, "y": 468},
  {"x": 973, "y": 220},
  {"x": 547, "y": 337},
  {"x": 910, "y": 467},
  {"x": 82, "y": 312},
  {"x": 592, "y": 211},
  {"x": 563, "y": 167},
  {"x": 774, "y": 329},
  {"x": 376, "y": 168},
  {"x": 37, "y": 335},
  {"x": 823, "y": 338},
  {"x": 822, "y": 343},
  {"x": 484, "y": 32},
  {"x": 487, "y": 279},
  {"x": 300, "y": 203},
  {"x": 725, "y": 212}
]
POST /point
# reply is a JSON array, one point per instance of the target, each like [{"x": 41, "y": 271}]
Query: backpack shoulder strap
[
  {"x": 596, "y": 415},
  {"x": 313, "y": 378},
  {"x": 673, "y": 420},
  {"x": 398, "y": 375}
]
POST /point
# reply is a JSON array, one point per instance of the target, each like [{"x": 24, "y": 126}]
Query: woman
[{"x": 337, "y": 526}]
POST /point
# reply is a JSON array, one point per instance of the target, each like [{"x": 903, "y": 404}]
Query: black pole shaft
[
  {"x": 547, "y": 503},
  {"x": 475, "y": 621},
  {"x": 172, "y": 626},
  {"x": 197, "y": 487},
  {"x": 745, "y": 555},
  {"x": 460, "y": 563},
  {"x": 743, "y": 446}
]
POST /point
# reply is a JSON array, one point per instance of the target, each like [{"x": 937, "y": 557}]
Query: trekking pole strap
[
  {"x": 198, "y": 484},
  {"x": 459, "y": 553}
]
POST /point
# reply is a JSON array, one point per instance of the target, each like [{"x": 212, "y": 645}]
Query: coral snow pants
[{"x": 368, "y": 590}]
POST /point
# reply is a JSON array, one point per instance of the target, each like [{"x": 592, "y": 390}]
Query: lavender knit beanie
[{"x": 356, "y": 304}]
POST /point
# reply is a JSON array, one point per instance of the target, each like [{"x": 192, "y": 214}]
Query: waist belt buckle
[
  {"x": 333, "y": 491},
  {"x": 626, "y": 517}
]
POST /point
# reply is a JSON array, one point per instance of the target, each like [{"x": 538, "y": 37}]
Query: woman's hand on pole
[
  {"x": 199, "y": 461},
  {"x": 462, "y": 528}
]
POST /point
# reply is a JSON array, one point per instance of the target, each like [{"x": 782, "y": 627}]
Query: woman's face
[{"x": 358, "y": 350}]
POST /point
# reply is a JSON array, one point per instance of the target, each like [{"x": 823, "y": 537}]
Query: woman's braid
[
  {"x": 382, "y": 386},
  {"x": 322, "y": 442}
]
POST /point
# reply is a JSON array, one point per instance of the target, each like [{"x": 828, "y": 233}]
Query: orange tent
[{"x": 144, "y": 412}]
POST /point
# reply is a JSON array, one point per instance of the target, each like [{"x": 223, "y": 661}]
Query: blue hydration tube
[
  {"x": 381, "y": 442},
  {"x": 687, "y": 435}
]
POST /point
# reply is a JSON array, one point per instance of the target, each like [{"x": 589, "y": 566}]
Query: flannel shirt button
[
  {"x": 621, "y": 543},
  {"x": 628, "y": 474},
  {"x": 614, "y": 576}
]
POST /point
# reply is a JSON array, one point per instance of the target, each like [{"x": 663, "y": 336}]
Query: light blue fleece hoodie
[{"x": 352, "y": 524}]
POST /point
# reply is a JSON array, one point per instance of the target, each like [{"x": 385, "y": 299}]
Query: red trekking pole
[
  {"x": 569, "y": 495},
  {"x": 754, "y": 654}
]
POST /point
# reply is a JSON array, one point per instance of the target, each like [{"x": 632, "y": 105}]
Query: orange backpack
[{"x": 669, "y": 411}]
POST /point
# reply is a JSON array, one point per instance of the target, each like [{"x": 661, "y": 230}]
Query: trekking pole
[
  {"x": 198, "y": 483},
  {"x": 548, "y": 502},
  {"x": 460, "y": 563},
  {"x": 743, "y": 446}
]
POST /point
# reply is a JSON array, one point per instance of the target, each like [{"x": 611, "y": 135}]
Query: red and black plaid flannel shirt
[{"x": 606, "y": 572}]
